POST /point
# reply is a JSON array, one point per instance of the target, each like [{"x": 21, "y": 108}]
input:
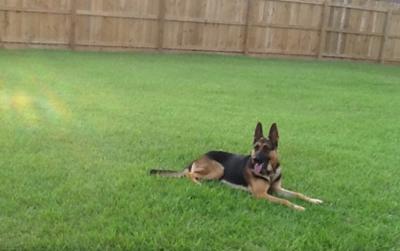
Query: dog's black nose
[{"x": 259, "y": 158}]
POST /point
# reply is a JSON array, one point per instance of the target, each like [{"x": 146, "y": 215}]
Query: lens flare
[
  {"x": 23, "y": 105},
  {"x": 33, "y": 110},
  {"x": 21, "y": 101},
  {"x": 57, "y": 106}
]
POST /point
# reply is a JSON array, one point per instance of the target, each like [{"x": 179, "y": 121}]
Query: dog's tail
[{"x": 169, "y": 173}]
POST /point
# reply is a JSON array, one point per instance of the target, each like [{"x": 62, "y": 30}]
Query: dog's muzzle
[
  {"x": 258, "y": 162},
  {"x": 258, "y": 167}
]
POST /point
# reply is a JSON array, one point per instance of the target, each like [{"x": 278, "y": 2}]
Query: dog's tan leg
[
  {"x": 287, "y": 193},
  {"x": 259, "y": 190},
  {"x": 205, "y": 169},
  {"x": 284, "y": 202},
  {"x": 290, "y": 194},
  {"x": 193, "y": 178}
]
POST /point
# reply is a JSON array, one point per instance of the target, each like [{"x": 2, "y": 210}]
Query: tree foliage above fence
[{"x": 364, "y": 30}]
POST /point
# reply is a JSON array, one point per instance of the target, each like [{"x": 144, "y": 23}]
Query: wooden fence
[{"x": 362, "y": 29}]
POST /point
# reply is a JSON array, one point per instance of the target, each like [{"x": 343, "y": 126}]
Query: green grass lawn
[{"x": 79, "y": 132}]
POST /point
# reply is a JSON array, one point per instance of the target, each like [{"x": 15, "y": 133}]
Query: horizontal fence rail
[{"x": 361, "y": 30}]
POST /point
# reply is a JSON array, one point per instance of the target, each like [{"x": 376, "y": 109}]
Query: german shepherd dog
[{"x": 258, "y": 173}]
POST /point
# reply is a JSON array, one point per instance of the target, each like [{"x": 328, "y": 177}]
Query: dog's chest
[
  {"x": 275, "y": 175},
  {"x": 271, "y": 175}
]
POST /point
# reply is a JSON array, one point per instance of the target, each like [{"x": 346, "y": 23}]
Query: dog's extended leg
[
  {"x": 287, "y": 193},
  {"x": 259, "y": 190},
  {"x": 290, "y": 194},
  {"x": 284, "y": 202}
]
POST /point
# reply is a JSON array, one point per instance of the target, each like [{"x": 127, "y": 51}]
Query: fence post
[
  {"x": 161, "y": 21},
  {"x": 322, "y": 36},
  {"x": 73, "y": 25},
  {"x": 385, "y": 36},
  {"x": 247, "y": 27}
]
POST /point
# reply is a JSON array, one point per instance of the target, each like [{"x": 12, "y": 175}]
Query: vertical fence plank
[
  {"x": 324, "y": 24},
  {"x": 342, "y": 19},
  {"x": 385, "y": 36},
  {"x": 2, "y": 27},
  {"x": 161, "y": 21},
  {"x": 247, "y": 27},
  {"x": 72, "y": 29}
]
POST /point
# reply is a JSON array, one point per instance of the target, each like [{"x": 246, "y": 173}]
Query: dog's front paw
[
  {"x": 299, "y": 208},
  {"x": 316, "y": 201}
]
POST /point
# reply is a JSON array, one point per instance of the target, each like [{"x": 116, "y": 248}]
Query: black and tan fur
[{"x": 259, "y": 173}]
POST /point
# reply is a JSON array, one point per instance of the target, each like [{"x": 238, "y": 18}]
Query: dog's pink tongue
[{"x": 257, "y": 168}]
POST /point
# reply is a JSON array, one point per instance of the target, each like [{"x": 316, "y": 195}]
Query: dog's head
[{"x": 264, "y": 156}]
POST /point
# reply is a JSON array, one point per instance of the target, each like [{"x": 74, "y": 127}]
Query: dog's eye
[{"x": 256, "y": 146}]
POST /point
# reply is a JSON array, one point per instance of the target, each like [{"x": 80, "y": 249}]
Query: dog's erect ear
[
  {"x": 258, "y": 133},
  {"x": 273, "y": 134}
]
